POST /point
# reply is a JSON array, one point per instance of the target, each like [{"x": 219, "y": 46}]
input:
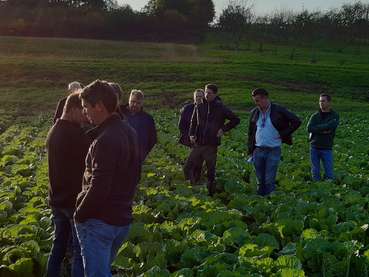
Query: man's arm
[
  {"x": 311, "y": 126},
  {"x": 234, "y": 120},
  {"x": 294, "y": 122},
  {"x": 330, "y": 126},
  {"x": 103, "y": 166},
  {"x": 323, "y": 128},
  {"x": 250, "y": 137}
]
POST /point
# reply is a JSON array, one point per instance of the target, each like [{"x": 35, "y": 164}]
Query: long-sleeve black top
[
  {"x": 113, "y": 168},
  {"x": 208, "y": 118},
  {"x": 67, "y": 147}
]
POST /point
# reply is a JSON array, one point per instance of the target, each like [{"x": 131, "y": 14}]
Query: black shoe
[{"x": 211, "y": 188}]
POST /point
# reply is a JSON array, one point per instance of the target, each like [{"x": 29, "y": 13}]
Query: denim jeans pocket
[{"x": 100, "y": 230}]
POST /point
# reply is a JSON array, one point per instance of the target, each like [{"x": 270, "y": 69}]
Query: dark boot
[
  {"x": 262, "y": 190},
  {"x": 211, "y": 188},
  {"x": 196, "y": 173}
]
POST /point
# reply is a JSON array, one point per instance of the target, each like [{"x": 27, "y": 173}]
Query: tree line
[
  {"x": 159, "y": 20},
  {"x": 179, "y": 20},
  {"x": 349, "y": 23}
]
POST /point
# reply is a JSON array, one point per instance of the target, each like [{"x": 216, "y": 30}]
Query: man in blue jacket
[
  {"x": 270, "y": 125},
  {"x": 141, "y": 121}
]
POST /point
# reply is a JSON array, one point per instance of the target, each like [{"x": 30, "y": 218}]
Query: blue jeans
[
  {"x": 324, "y": 155},
  {"x": 100, "y": 243},
  {"x": 65, "y": 238},
  {"x": 266, "y": 161}
]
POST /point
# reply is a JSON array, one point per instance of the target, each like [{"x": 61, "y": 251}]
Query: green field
[{"x": 303, "y": 229}]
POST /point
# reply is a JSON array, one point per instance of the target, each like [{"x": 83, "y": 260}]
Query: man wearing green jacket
[{"x": 322, "y": 129}]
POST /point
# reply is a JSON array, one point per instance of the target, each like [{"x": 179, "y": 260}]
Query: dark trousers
[
  {"x": 207, "y": 153},
  {"x": 192, "y": 172},
  {"x": 64, "y": 237}
]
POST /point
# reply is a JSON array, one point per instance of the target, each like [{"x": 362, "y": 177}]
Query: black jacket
[
  {"x": 208, "y": 118},
  {"x": 144, "y": 125},
  {"x": 112, "y": 173},
  {"x": 67, "y": 147},
  {"x": 322, "y": 129},
  {"x": 59, "y": 109},
  {"x": 283, "y": 120},
  {"x": 184, "y": 123}
]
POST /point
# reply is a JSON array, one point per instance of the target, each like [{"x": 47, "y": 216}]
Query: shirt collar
[{"x": 268, "y": 109}]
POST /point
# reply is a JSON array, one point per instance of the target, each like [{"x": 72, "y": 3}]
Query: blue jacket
[
  {"x": 184, "y": 124},
  {"x": 144, "y": 125}
]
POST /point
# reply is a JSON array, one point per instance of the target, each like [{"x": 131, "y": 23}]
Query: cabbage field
[{"x": 303, "y": 229}]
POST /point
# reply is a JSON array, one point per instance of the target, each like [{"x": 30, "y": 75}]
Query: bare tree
[{"x": 235, "y": 20}]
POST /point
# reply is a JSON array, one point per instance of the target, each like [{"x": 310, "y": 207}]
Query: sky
[{"x": 264, "y": 6}]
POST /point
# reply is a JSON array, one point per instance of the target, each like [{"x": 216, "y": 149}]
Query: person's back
[
  {"x": 67, "y": 148},
  {"x": 184, "y": 123}
]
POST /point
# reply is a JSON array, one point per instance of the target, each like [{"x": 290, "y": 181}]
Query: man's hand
[
  {"x": 250, "y": 159},
  {"x": 192, "y": 139},
  {"x": 220, "y": 133}
]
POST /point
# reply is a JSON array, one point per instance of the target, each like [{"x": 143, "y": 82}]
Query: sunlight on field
[{"x": 303, "y": 229}]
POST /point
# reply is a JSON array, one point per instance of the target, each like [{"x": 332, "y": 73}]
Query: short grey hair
[
  {"x": 138, "y": 93},
  {"x": 117, "y": 89},
  {"x": 199, "y": 90},
  {"x": 74, "y": 86}
]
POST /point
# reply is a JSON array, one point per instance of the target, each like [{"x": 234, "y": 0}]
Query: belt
[{"x": 267, "y": 147}]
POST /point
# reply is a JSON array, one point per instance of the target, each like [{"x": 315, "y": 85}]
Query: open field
[
  {"x": 35, "y": 71},
  {"x": 304, "y": 229}
]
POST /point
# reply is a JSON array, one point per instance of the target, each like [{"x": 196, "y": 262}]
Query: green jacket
[{"x": 322, "y": 129}]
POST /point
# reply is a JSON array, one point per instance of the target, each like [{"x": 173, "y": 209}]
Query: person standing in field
[
  {"x": 141, "y": 121},
  {"x": 270, "y": 125},
  {"x": 191, "y": 173},
  {"x": 119, "y": 92},
  {"x": 72, "y": 87},
  {"x": 206, "y": 129},
  {"x": 113, "y": 166},
  {"x": 67, "y": 147},
  {"x": 322, "y": 130}
]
